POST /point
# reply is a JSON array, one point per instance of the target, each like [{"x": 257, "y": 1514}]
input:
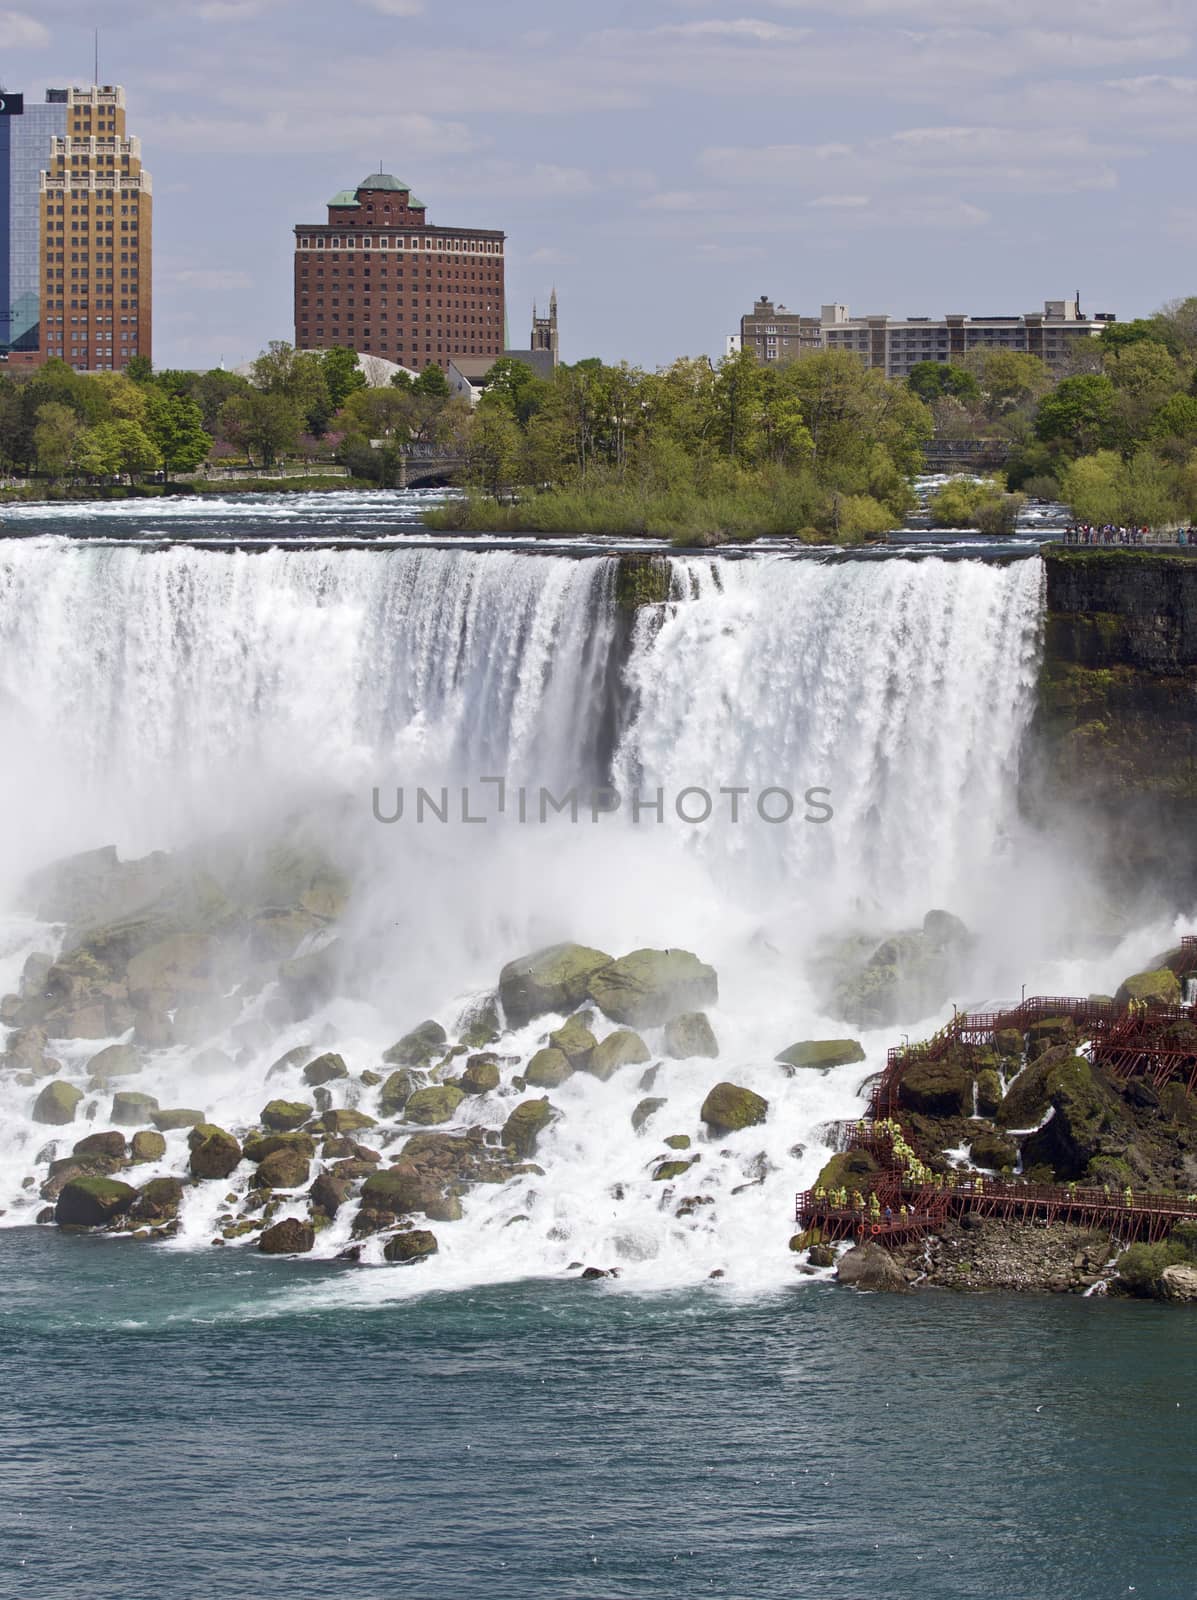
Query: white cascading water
[{"x": 148, "y": 698}]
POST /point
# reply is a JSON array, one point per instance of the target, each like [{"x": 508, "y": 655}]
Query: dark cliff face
[{"x": 1114, "y": 744}]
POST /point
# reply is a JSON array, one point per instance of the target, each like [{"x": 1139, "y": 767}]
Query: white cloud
[
  {"x": 846, "y": 202},
  {"x": 396, "y": 8},
  {"x": 307, "y": 127},
  {"x": 19, "y": 32},
  {"x": 736, "y": 28}
]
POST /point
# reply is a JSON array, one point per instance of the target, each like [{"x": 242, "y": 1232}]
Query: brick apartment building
[
  {"x": 895, "y": 345},
  {"x": 378, "y": 278}
]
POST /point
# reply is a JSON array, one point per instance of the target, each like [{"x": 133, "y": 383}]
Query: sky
[{"x": 663, "y": 162}]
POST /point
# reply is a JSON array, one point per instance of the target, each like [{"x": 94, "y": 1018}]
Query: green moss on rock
[
  {"x": 526, "y": 1123},
  {"x": 729, "y": 1107},
  {"x": 619, "y": 1049},
  {"x": 822, "y": 1053},
  {"x": 1161, "y": 987},
  {"x": 214, "y": 1152},
  {"x": 419, "y": 1048},
  {"x": 92, "y": 1202},
  {"x": 690, "y": 1037},
  {"x": 437, "y": 1103},
  {"x": 56, "y": 1105},
  {"x": 548, "y": 1069},
  {"x": 647, "y": 988},
  {"x": 553, "y": 979},
  {"x": 282, "y": 1116}
]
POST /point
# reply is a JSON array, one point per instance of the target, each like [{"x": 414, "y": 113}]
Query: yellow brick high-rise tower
[{"x": 96, "y": 229}]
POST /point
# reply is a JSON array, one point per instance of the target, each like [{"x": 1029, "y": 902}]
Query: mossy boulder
[
  {"x": 850, "y": 1169},
  {"x": 548, "y": 1069},
  {"x": 1027, "y": 1099},
  {"x": 256, "y": 1147},
  {"x": 416, "y": 1244},
  {"x": 91, "y": 1202},
  {"x": 291, "y": 1237},
  {"x": 822, "y": 1053},
  {"x": 110, "y": 1143},
  {"x": 146, "y": 1145},
  {"x": 481, "y": 1075},
  {"x": 57, "y": 1103},
  {"x": 644, "y": 1110},
  {"x": 283, "y": 1116},
  {"x": 649, "y": 987},
  {"x": 172, "y": 1118},
  {"x": 419, "y": 1048},
  {"x": 397, "y": 1091},
  {"x": 1074, "y": 1135},
  {"x": 328, "y": 1193},
  {"x": 666, "y": 1171},
  {"x": 1049, "y": 1034},
  {"x": 214, "y": 1152},
  {"x": 1009, "y": 1043},
  {"x": 437, "y": 1103},
  {"x": 344, "y": 1119},
  {"x": 730, "y": 1107},
  {"x": 989, "y": 1092},
  {"x": 989, "y": 1149},
  {"x": 525, "y": 1125},
  {"x": 937, "y": 1089},
  {"x": 282, "y": 1169},
  {"x": 1160, "y": 987},
  {"x": 328, "y": 1068},
  {"x": 553, "y": 979},
  {"x": 622, "y": 1048},
  {"x": 481, "y": 1024},
  {"x": 130, "y": 1107},
  {"x": 575, "y": 1042},
  {"x": 157, "y": 1201},
  {"x": 871, "y": 1268},
  {"x": 398, "y": 1190},
  {"x": 117, "y": 1061},
  {"x": 690, "y": 1037},
  {"x": 678, "y": 1141}
]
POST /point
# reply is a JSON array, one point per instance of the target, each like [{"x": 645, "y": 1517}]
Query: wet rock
[
  {"x": 214, "y": 1152},
  {"x": 989, "y": 1149},
  {"x": 591, "y": 1274},
  {"x": 415, "y": 1245},
  {"x": 328, "y": 1193},
  {"x": 447, "y": 1208},
  {"x": 668, "y": 1170},
  {"x": 256, "y": 1147},
  {"x": 327, "y": 1068},
  {"x": 369, "y": 1080},
  {"x": 157, "y": 1201},
  {"x": 290, "y": 1061},
  {"x": 282, "y": 1116},
  {"x": 26, "y": 1052},
  {"x": 398, "y": 1190},
  {"x": 989, "y": 1092},
  {"x": 92, "y": 1202},
  {"x": 548, "y": 1069},
  {"x": 678, "y": 1141},
  {"x": 146, "y": 1145},
  {"x": 822, "y": 1053},
  {"x": 871, "y": 1267},
  {"x": 102, "y": 1144},
  {"x": 282, "y": 1169},
  {"x": 57, "y": 1103},
  {"x": 729, "y": 1107},
  {"x": 690, "y": 1036},
  {"x": 481, "y": 1075},
  {"x": 118, "y": 1061},
  {"x": 1082, "y": 1116},
  {"x": 575, "y": 1042},
  {"x": 291, "y": 1237},
  {"x": 343, "y": 1119},
  {"x": 480, "y": 1024},
  {"x": 397, "y": 1091},
  {"x": 1179, "y": 1282},
  {"x": 526, "y": 1123},
  {"x": 649, "y": 987},
  {"x": 1161, "y": 987},
  {"x": 162, "y": 974},
  {"x": 419, "y": 1048},
  {"x": 437, "y": 1103},
  {"x": 644, "y": 1111},
  {"x": 153, "y": 1030},
  {"x": 553, "y": 979},
  {"x": 175, "y": 1117},
  {"x": 1008, "y": 1042},
  {"x": 34, "y": 974},
  {"x": 937, "y": 1089},
  {"x": 129, "y": 1107},
  {"x": 821, "y": 1255},
  {"x": 619, "y": 1049}
]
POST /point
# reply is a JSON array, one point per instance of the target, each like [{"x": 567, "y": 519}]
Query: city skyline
[{"x": 661, "y": 168}]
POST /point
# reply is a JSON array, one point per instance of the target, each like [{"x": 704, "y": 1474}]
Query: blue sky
[{"x": 661, "y": 162}]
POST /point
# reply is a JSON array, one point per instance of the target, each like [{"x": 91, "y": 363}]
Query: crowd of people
[{"x": 1106, "y": 533}]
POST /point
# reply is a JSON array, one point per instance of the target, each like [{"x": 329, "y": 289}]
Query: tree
[
  {"x": 1095, "y": 487},
  {"x": 176, "y": 425},
  {"x": 262, "y": 424},
  {"x": 493, "y": 449},
  {"x": 1080, "y": 417},
  {"x": 1010, "y": 380},
  {"x": 122, "y": 397},
  {"x": 116, "y": 447},
  {"x": 933, "y": 380},
  {"x": 55, "y": 438},
  {"x": 342, "y": 375},
  {"x": 432, "y": 384},
  {"x": 296, "y": 376},
  {"x": 139, "y": 369}
]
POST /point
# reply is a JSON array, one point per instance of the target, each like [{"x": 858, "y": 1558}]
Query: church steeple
[{"x": 544, "y": 329}]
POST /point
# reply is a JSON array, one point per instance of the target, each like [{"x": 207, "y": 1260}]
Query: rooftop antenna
[{"x": 96, "y": 79}]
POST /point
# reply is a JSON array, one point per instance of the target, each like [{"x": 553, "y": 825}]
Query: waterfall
[{"x": 150, "y": 696}]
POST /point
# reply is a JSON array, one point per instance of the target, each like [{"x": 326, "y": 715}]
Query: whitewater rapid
[{"x": 150, "y": 698}]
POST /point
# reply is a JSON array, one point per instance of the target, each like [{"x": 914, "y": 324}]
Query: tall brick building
[
  {"x": 95, "y": 233},
  {"x": 378, "y": 278}
]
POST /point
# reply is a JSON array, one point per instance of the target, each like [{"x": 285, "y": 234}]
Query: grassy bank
[{"x": 685, "y": 516}]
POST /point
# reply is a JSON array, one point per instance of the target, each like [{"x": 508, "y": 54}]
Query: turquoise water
[{"x": 186, "y": 1425}]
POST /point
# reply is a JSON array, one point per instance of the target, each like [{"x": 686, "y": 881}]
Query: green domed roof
[{"x": 383, "y": 180}]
